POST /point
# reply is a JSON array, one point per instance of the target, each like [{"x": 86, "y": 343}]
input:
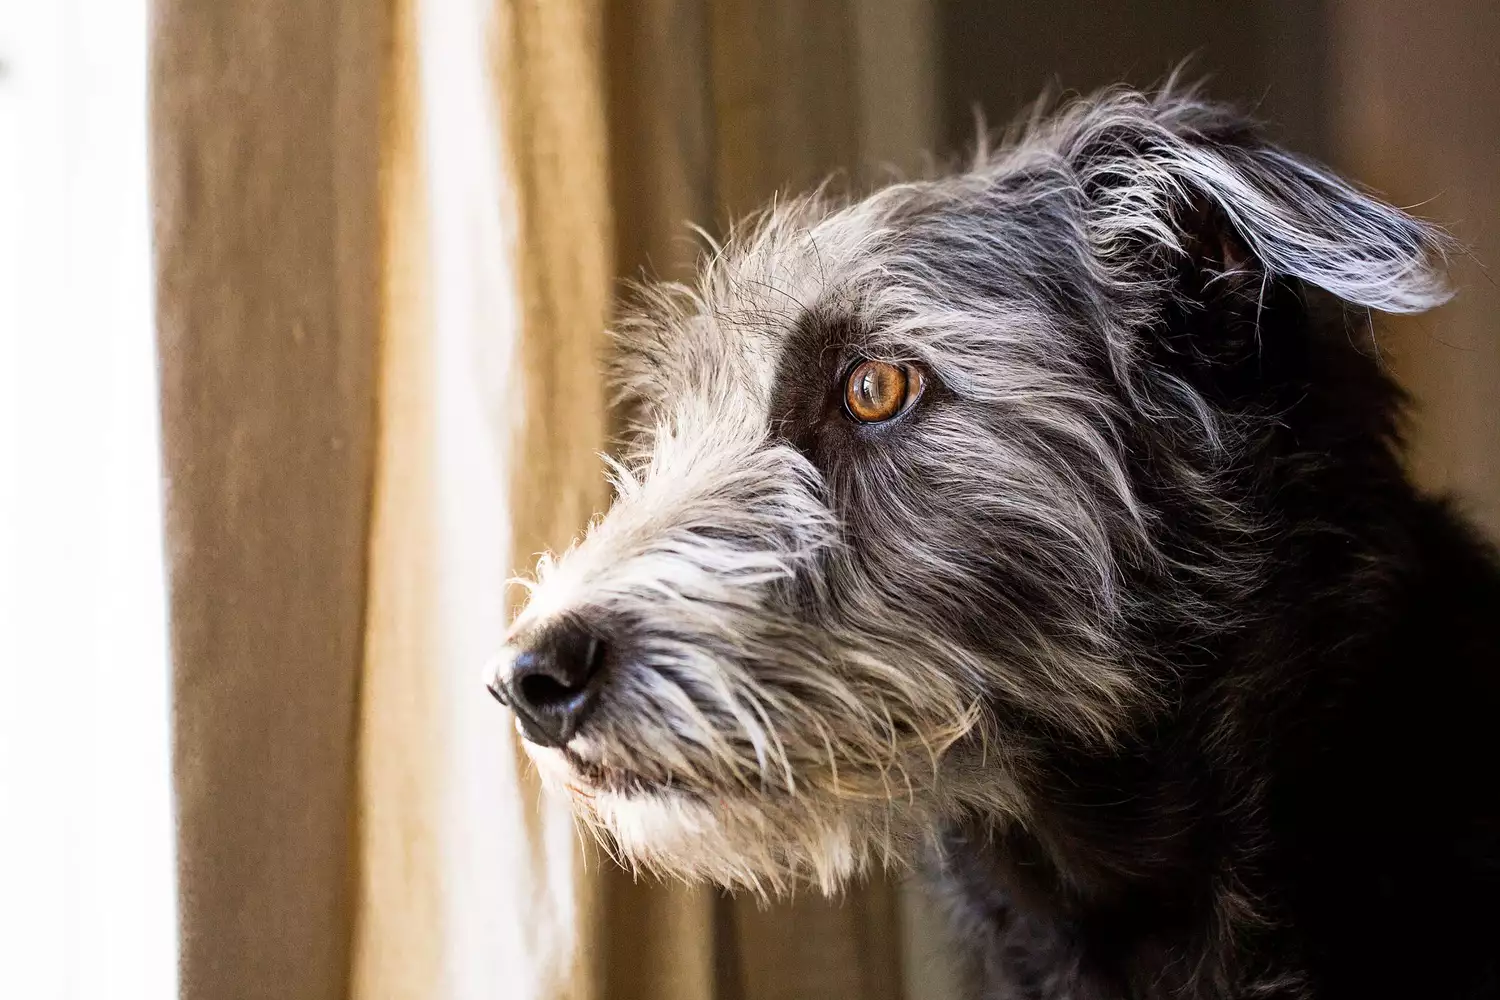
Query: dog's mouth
[{"x": 591, "y": 777}]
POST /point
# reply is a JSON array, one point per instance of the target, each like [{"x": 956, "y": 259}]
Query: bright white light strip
[
  {"x": 87, "y": 897},
  {"x": 508, "y": 899}
]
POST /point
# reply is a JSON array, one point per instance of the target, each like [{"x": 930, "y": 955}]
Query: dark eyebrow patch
[{"x": 805, "y": 386}]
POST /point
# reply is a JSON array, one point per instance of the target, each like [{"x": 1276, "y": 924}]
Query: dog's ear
[{"x": 1177, "y": 175}]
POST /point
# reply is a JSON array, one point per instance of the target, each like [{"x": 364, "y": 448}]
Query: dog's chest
[
  {"x": 1010, "y": 948},
  {"x": 1016, "y": 943}
]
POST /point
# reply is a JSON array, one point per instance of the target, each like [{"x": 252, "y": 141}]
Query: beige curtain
[
  {"x": 388, "y": 236},
  {"x": 496, "y": 281},
  {"x": 267, "y": 229}
]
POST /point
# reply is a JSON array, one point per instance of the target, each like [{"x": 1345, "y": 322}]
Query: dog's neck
[{"x": 1160, "y": 866}]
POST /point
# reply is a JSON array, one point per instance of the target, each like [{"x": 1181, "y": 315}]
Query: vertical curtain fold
[
  {"x": 264, "y": 148},
  {"x": 497, "y": 272}
]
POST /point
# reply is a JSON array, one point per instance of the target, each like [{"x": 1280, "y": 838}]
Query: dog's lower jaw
[
  {"x": 732, "y": 843},
  {"x": 733, "y": 839},
  {"x": 773, "y": 841}
]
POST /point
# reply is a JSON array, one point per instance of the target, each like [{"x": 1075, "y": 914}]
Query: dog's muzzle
[{"x": 553, "y": 681}]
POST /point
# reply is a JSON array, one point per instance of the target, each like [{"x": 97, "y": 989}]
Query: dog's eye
[{"x": 876, "y": 390}]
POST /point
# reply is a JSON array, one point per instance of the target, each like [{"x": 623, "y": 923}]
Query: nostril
[
  {"x": 593, "y": 657},
  {"x": 543, "y": 691}
]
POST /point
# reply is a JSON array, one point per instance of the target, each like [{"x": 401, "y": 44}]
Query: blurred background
[{"x": 308, "y": 296}]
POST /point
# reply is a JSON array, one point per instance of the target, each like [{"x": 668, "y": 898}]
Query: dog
[{"x": 1042, "y": 527}]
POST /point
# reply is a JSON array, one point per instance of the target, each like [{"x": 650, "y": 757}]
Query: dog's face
[{"x": 910, "y": 489}]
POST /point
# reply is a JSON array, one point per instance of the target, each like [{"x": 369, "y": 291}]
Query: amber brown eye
[{"x": 876, "y": 390}]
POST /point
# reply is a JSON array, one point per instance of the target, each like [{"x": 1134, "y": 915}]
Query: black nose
[{"x": 554, "y": 682}]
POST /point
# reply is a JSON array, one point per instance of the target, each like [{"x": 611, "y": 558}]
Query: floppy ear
[{"x": 1156, "y": 170}]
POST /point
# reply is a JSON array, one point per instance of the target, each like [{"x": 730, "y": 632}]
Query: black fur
[{"x": 1316, "y": 812}]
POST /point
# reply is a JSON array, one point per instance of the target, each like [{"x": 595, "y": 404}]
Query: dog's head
[{"x": 921, "y": 482}]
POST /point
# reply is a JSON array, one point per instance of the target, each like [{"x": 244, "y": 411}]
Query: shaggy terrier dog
[{"x": 1042, "y": 527}]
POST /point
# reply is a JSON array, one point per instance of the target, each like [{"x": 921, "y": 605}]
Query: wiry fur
[{"x": 1105, "y": 630}]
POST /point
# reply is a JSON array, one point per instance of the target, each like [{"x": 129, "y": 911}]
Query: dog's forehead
[
  {"x": 725, "y": 338},
  {"x": 895, "y": 272}
]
